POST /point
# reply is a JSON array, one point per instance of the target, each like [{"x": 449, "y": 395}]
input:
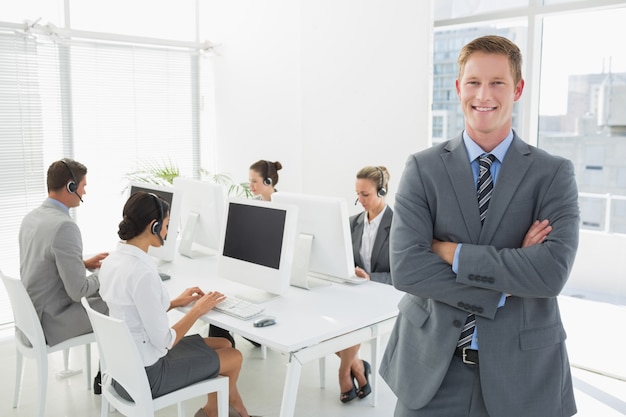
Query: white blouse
[{"x": 131, "y": 287}]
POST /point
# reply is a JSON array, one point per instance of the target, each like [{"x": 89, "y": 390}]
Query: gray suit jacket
[
  {"x": 380, "y": 251},
  {"x": 53, "y": 272},
  {"x": 524, "y": 369}
]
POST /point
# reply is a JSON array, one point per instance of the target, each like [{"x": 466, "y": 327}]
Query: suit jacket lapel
[
  {"x": 381, "y": 236},
  {"x": 459, "y": 171},
  {"x": 357, "y": 234}
]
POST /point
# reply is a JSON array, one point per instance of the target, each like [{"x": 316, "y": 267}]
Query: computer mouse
[{"x": 264, "y": 322}]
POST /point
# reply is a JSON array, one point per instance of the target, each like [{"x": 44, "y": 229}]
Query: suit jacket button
[{"x": 457, "y": 323}]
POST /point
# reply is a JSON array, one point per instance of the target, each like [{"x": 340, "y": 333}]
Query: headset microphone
[
  {"x": 72, "y": 186},
  {"x": 356, "y": 201}
]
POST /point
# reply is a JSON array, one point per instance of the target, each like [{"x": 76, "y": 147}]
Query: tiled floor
[{"x": 261, "y": 382}]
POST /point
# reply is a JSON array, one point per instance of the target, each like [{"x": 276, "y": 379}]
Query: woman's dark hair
[
  {"x": 140, "y": 209},
  {"x": 267, "y": 169}
]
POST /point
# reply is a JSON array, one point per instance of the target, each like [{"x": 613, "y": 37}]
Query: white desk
[{"x": 310, "y": 324}]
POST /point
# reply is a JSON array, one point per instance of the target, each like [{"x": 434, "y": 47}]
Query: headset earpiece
[
  {"x": 382, "y": 191},
  {"x": 157, "y": 226},
  {"x": 267, "y": 180},
  {"x": 72, "y": 186}
]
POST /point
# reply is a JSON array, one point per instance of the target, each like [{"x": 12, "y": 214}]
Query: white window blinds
[{"x": 110, "y": 105}]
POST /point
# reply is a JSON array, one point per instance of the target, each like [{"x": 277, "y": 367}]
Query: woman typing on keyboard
[
  {"x": 370, "y": 245},
  {"x": 131, "y": 287}
]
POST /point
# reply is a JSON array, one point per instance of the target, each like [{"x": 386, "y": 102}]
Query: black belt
[{"x": 469, "y": 356}]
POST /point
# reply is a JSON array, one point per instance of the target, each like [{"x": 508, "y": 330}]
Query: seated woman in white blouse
[{"x": 131, "y": 287}]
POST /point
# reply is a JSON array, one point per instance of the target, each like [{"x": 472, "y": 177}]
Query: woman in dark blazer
[{"x": 370, "y": 245}]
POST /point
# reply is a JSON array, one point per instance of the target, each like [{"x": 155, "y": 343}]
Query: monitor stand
[
  {"x": 186, "y": 245},
  {"x": 255, "y": 296},
  {"x": 300, "y": 267}
]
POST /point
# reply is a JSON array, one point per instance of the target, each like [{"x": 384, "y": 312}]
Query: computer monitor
[
  {"x": 202, "y": 215},
  {"x": 325, "y": 242},
  {"x": 171, "y": 195},
  {"x": 256, "y": 247}
]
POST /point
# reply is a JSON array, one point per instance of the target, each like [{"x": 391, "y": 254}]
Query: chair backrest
[
  {"x": 121, "y": 360},
  {"x": 24, "y": 313}
]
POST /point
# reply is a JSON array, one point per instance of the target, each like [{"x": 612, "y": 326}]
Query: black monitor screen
[
  {"x": 254, "y": 234},
  {"x": 163, "y": 194}
]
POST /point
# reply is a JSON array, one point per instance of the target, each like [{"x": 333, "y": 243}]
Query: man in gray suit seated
[
  {"x": 51, "y": 258},
  {"x": 483, "y": 238}
]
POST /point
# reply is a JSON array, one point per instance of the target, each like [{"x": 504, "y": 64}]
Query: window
[
  {"x": 114, "y": 105},
  {"x": 582, "y": 86}
]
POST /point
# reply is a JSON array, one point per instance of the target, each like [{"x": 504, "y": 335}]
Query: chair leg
[
  {"x": 88, "y": 364},
  {"x": 42, "y": 365},
  {"x": 19, "y": 367},
  {"x": 104, "y": 407},
  {"x": 222, "y": 402}
]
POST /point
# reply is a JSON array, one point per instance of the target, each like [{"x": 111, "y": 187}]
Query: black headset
[
  {"x": 158, "y": 224},
  {"x": 382, "y": 191},
  {"x": 72, "y": 186},
  {"x": 267, "y": 180}
]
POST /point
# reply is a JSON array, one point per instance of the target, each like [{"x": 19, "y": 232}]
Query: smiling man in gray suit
[
  {"x": 479, "y": 331},
  {"x": 51, "y": 257}
]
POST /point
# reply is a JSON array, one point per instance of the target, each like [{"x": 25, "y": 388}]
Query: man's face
[{"x": 487, "y": 93}]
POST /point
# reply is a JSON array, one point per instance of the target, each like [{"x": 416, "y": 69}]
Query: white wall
[{"x": 325, "y": 87}]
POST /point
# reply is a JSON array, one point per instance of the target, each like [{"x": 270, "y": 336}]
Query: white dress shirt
[
  {"x": 131, "y": 287},
  {"x": 370, "y": 230}
]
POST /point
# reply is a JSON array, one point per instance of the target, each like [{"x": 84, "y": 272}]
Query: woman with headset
[
  {"x": 263, "y": 178},
  {"x": 131, "y": 287},
  {"x": 370, "y": 246}
]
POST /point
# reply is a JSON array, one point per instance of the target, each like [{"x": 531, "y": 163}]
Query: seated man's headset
[
  {"x": 267, "y": 180},
  {"x": 157, "y": 226},
  {"x": 72, "y": 186}
]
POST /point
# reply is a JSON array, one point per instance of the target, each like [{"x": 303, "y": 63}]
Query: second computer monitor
[
  {"x": 202, "y": 208},
  {"x": 256, "y": 248},
  {"x": 172, "y": 196},
  {"x": 325, "y": 222}
]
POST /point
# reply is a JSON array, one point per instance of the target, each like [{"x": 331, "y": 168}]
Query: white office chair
[
  {"x": 27, "y": 321},
  {"x": 120, "y": 361}
]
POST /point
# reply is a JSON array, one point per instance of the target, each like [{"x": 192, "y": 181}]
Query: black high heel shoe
[
  {"x": 366, "y": 389},
  {"x": 349, "y": 395}
]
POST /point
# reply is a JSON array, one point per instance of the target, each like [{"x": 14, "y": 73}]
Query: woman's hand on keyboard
[
  {"x": 208, "y": 301},
  {"x": 188, "y": 296}
]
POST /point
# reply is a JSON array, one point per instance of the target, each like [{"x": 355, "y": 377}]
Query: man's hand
[
  {"x": 537, "y": 233},
  {"x": 445, "y": 250},
  {"x": 94, "y": 262}
]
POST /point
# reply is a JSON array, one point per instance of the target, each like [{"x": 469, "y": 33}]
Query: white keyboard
[
  {"x": 341, "y": 280},
  {"x": 239, "y": 308}
]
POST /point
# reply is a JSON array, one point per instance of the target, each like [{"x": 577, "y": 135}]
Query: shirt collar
[
  {"x": 377, "y": 219},
  {"x": 59, "y": 204},
  {"x": 474, "y": 151}
]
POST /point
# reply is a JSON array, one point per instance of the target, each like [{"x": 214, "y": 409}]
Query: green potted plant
[{"x": 164, "y": 172}]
